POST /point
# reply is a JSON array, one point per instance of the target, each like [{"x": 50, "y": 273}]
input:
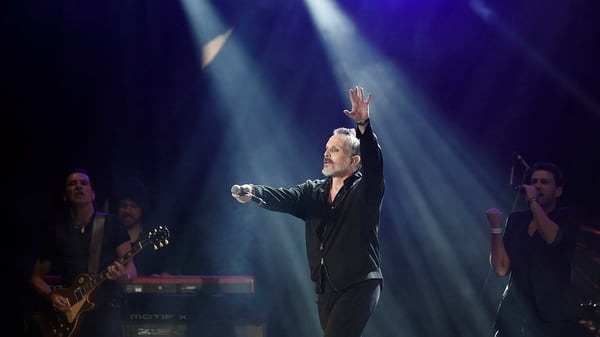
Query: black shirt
[
  {"x": 541, "y": 272},
  {"x": 341, "y": 238},
  {"x": 68, "y": 249}
]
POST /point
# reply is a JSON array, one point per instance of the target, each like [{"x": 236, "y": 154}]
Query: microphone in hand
[
  {"x": 238, "y": 190},
  {"x": 519, "y": 188}
]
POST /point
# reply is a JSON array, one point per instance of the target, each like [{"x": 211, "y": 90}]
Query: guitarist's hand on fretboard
[{"x": 115, "y": 271}]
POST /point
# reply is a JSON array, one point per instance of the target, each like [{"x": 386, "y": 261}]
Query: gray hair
[{"x": 350, "y": 139}]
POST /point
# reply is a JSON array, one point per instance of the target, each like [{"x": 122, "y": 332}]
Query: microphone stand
[
  {"x": 514, "y": 204},
  {"x": 522, "y": 181}
]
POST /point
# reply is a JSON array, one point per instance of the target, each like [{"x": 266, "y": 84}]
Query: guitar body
[{"x": 67, "y": 324}]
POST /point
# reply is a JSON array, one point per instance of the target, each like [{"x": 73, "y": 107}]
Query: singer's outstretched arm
[{"x": 341, "y": 214}]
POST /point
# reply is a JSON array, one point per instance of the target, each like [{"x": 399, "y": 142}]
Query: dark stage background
[{"x": 117, "y": 87}]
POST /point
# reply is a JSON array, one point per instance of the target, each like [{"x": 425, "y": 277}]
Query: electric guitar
[{"x": 67, "y": 324}]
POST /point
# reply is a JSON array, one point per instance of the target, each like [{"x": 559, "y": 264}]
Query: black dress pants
[{"x": 345, "y": 313}]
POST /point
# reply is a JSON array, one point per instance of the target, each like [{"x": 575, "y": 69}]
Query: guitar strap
[{"x": 96, "y": 243}]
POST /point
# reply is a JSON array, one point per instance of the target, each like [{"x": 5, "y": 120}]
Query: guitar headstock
[{"x": 159, "y": 237}]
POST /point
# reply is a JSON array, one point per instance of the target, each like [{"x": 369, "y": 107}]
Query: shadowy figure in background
[
  {"x": 67, "y": 249},
  {"x": 133, "y": 211},
  {"x": 342, "y": 218},
  {"x": 536, "y": 248}
]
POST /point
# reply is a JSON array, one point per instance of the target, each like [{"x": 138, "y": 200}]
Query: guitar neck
[{"x": 103, "y": 275}]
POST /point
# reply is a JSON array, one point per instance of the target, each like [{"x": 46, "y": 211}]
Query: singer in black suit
[
  {"x": 341, "y": 215},
  {"x": 536, "y": 248}
]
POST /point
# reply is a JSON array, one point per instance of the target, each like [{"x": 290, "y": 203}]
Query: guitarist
[{"x": 66, "y": 252}]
